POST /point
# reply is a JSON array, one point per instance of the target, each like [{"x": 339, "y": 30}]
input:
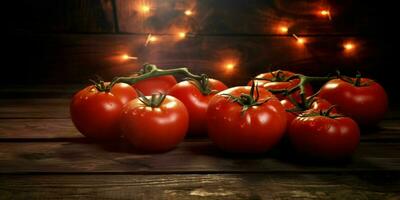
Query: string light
[
  {"x": 181, "y": 34},
  {"x": 127, "y": 57},
  {"x": 283, "y": 29},
  {"x": 188, "y": 12},
  {"x": 150, "y": 38},
  {"x": 299, "y": 40},
  {"x": 145, "y": 8},
  {"x": 325, "y": 13},
  {"x": 348, "y": 46}
]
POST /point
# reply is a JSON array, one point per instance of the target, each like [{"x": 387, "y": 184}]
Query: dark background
[{"x": 65, "y": 42}]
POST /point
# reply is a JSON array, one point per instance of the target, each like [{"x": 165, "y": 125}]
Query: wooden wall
[{"x": 69, "y": 41}]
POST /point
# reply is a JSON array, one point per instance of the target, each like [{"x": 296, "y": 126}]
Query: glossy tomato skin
[
  {"x": 196, "y": 103},
  {"x": 317, "y": 105},
  {"x": 95, "y": 114},
  {"x": 324, "y": 137},
  {"x": 157, "y": 129},
  {"x": 255, "y": 131},
  {"x": 160, "y": 84},
  {"x": 365, "y": 104},
  {"x": 276, "y": 85}
]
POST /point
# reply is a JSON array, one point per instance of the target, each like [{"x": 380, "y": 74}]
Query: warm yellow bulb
[
  {"x": 229, "y": 66},
  {"x": 324, "y": 12},
  {"x": 301, "y": 40},
  {"x": 153, "y": 38},
  {"x": 182, "y": 35},
  {"x": 188, "y": 12},
  {"x": 348, "y": 46},
  {"x": 145, "y": 8},
  {"x": 283, "y": 29},
  {"x": 125, "y": 57}
]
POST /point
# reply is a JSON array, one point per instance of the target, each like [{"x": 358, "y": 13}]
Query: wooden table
[{"x": 42, "y": 156}]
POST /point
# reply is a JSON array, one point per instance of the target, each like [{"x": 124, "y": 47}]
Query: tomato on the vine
[
  {"x": 278, "y": 80},
  {"x": 322, "y": 135},
  {"x": 240, "y": 121},
  {"x": 312, "y": 103},
  {"x": 154, "y": 123},
  {"x": 362, "y": 99},
  {"x": 196, "y": 96},
  {"x": 159, "y": 84},
  {"x": 95, "y": 110}
]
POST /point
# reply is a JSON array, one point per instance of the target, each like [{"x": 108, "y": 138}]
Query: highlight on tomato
[
  {"x": 155, "y": 123},
  {"x": 362, "y": 99},
  {"x": 245, "y": 119},
  {"x": 280, "y": 80},
  {"x": 95, "y": 110},
  {"x": 321, "y": 134},
  {"x": 196, "y": 96}
]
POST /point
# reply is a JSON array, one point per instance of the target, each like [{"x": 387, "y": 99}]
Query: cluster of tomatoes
[{"x": 155, "y": 114}]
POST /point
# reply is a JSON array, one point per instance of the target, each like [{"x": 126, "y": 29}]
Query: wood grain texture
[
  {"x": 194, "y": 187},
  {"x": 240, "y": 17},
  {"x": 34, "y": 108},
  {"x": 59, "y": 16},
  {"x": 189, "y": 157},
  {"x": 60, "y": 129},
  {"x": 64, "y": 59}
]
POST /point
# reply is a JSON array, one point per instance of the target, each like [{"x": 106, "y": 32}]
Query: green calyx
[
  {"x": 303, "y": 105},
  {"x": 277, "y": 76},
  {"x": 101, "y": 86},
  {"x": 324, "y": 113},
  {"x": 154, "y": 101},
  {"x": 202, "y": 85},
  {"x": 247, "y": 100},
  {"x": 355, "y": 82}
]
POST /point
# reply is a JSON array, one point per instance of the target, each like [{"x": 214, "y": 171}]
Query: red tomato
[
  {"x": 196, "y": 102},
  {"x": 160, "y": 84},
  {"x": 254, "y": 130},
  {"x": 324, "y": 137},
  {"x": 317, "y": 104},
  {"x": 95, "y": 114},
  {"x": 154, "y": 129},
  {"x": 277, "y": 80},
  {"x": 366, "y": 103}
]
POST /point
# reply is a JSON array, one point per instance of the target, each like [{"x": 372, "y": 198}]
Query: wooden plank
[
  {"x": 189, "y": 157},
  {"x": 34, "y": 108},
  {"x": 227, "y": 186},
  {"x": 76, "y": 58},
  {"x": 59, "y": 16},
  {"x": 38, "y": 129},
  {"x": 240, "y": 17},
  {"x": 26, "y": 129}
]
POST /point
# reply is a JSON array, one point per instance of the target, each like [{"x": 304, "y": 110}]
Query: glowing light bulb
[
  {"x": 283, "y": 29},
  {"x": 181, "y": 34},
  {"x": 153, "y": 38},
  {"x": 125, "y": 57},
  {"x": 324, "y": 12},
  {"x": 301, "y": 40},
  {"x": 188, "y": 12},
  {"x": 145, "y": 8},
  {"x": 348, "y": 46}
]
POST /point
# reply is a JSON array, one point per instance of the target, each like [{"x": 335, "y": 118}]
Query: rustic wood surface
[{"x": 42, "y": 156}]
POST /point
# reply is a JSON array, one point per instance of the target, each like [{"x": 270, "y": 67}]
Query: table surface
[{"x": 42, "y": 156}]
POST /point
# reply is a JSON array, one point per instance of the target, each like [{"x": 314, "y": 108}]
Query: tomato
[
  {"x": 277, "y": 81},
  {"x": 95, "y": 113},
  {"x": 314, "y": 104},
  {"x": 366, "y": 102},
  {"x": 159, "y": 84},
  {"x": 154, "y": 128},
  {"x": 240, "y": 122},
  {"x": 196, "y": 102},
  {"x": 324, "y": 137}
]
